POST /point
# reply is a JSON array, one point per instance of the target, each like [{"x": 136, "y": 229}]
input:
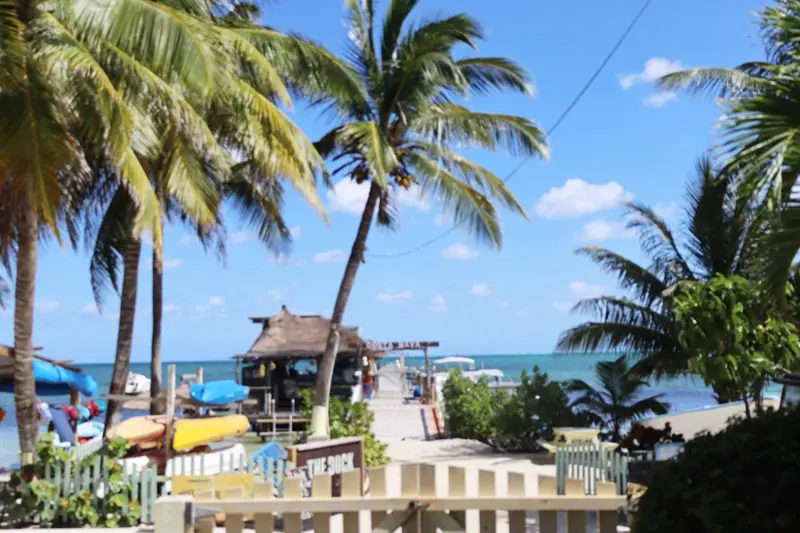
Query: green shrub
[
  {"x": 744, "y": 479},
  {"x": 512, "y": 422},
  {"x": 350, "y": 420},
  {"x": 33, "y": 500}
]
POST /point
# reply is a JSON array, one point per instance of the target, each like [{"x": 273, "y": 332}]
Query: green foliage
[
  {"x": 348, "y": 419},
  {"x": 618, "y": 399},
  {"x": 741, "y": 480},
  {"x": 721, "y": 233},
  {"x": 734, "y": 338},
  {"x": 34, "y": 500},
  {"x": 512, "y": 422}
]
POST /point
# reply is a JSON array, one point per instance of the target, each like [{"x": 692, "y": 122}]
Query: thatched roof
[{"x": 287, "y": 335}]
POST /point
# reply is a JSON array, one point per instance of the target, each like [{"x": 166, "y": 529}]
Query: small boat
[
  {"x": 222, "y": 392},
  {"x": 193, "y": 432},
  {"x": 137, "y": 383},
  {"x": 89, "y": 430},
  {"x": 140, "y": 429}
]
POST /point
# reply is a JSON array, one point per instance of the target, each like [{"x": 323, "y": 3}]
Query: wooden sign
[
  {"x": 218, "y": 483},
  {"x": 328, "y": 457},
  {"x": 398, "y": 346}
]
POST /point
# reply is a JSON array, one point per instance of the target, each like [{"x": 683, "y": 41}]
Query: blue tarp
[
  {"x": 220, "y": 392},
  {"x": 52, "y": 380}
]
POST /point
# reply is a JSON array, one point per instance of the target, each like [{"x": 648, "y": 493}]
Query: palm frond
[
  {"x": 486, "y": 74},
  {"x": 721, "y": 82},
  {"x": 12, "y": 43},
  {"x": 643, "y": 285},
  {"x": 397, "y": 13},
  {"x": 453, "y": 124},
  {"x": 658, "y": 243}
]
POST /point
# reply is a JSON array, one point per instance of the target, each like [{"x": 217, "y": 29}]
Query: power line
[{"x": 550, "y": 131}]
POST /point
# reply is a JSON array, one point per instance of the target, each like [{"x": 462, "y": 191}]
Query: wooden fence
[
  {"x": 593, "y": 463},
  {"x": 146, "y": 485},
  {"x": 418, "y": 508},
  {"x": 72, "y": 477}
]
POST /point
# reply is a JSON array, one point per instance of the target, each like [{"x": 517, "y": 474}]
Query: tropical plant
[
  {"x": 3, "y": 293},
  {"x": 264, "y": 149},
  {"x": 737, "y": 340},
  {"x": 736, "y": 480},
  {"x": 61, "y": 112},
  {"x": 400, "y": 126},
  {"x": 616, "y": 400},
  {"x": 722, "y": 233},
  {"x": 511, "y": 422},
  {"x": 759, "y": 125}
]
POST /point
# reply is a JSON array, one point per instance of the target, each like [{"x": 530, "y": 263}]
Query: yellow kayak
[{"x": 193, "y": 432}]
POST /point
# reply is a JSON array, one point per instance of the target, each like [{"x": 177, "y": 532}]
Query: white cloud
[
  {"x": 243, "y": 237},
  {"x": 46, "y": 306},
  {"x": 202, "y": 308},
  {"x": 577, "y": 197},
  {"x": 347, "y": 196},
  {"x": 170, "y": 308},
  {"x": 666, "y": 211},
  {"x": 216, "y": 300},
  {"x": 480, "y": 289},
  {"x": 654, "y": 68},
  {"x": 90, "y": 309},
  {"x": 502, "y": 305},
  {"x": 438, "y": 304},
  {"x": 172, "y": 264},
  {"x": 329, "y": 256},
  {"x": 391, "y": 295},
  {"x": 581, "y": 289},
  {"x": 562, "y": 307},
  {"x": 274, "y": 295},
  {"x": 603, "y": 230},
  {"x": 659, "y": 99},
  {"x": 459, "y": 252},
  {"x": 187, "y": 240},
  {"x": 296, "y": 231}
]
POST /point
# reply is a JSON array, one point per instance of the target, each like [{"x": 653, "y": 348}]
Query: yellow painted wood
[
  {"x": 292, "y": 523},
  {"x": 548, "y": 519},
  {"x": 487, "y": 488},
  {"x": 351, "y": 488},
  {"x": 321, "y": 487},
  {"x": 263, "y": 522},
  {"x": 516, "y": 488}
]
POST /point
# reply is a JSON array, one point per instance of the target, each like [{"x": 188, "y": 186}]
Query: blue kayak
[
  {"x": 52, "y": 380},
  {"x": 218, "y": 392}
]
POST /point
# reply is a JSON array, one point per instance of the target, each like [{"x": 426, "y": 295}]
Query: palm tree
[
  {"x": 61, "y": 99},
  {"x": 3, "y": 293},
  {"x": 617, "y": 401},
  {"x": 721, "y": 234},
  {"x": 759, "y": 123},
  {"x": 240, "y": 116},
  {"x": 400, "y": 121}
]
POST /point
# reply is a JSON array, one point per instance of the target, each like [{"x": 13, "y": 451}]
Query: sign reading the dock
[{"x": 329, "y": 457}]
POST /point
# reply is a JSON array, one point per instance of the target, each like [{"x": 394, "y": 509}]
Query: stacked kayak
[
  {"x": 222, "y": 392},
  {"x": 140, "y": 429},
  {"x": 187, "y": 433},
  {"x": 193, "y": 432}
]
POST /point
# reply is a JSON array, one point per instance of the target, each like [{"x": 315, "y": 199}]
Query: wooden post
[
  {"x": 174, "y": 514},
  {"x": 170, "y": 411},
  {"x": 427, "y": 394},
  {"x": 199, "y": 378}
]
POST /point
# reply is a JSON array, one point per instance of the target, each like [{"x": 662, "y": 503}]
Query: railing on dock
[
  {"x": 592, "y": 463},
  {"x": 418, "y": 507}
]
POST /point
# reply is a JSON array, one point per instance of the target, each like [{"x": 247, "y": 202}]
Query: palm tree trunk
[
  {"x": 319, "y": 416},
  {"x": 157, "y": 406},
  {"x": 127, "y": 312},
  {"x": 24, "y": 385}
]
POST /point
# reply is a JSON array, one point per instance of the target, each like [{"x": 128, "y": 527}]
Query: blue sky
[{"x": 623, "y": 141}]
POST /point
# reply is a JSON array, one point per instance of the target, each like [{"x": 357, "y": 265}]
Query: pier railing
[{"x": 419, "y": 506}]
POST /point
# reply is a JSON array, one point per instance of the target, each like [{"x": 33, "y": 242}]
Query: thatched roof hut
[{"x": 286, "y": 335}]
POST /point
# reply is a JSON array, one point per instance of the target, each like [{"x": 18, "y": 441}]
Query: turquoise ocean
[{"x": 683, "y": 394}]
